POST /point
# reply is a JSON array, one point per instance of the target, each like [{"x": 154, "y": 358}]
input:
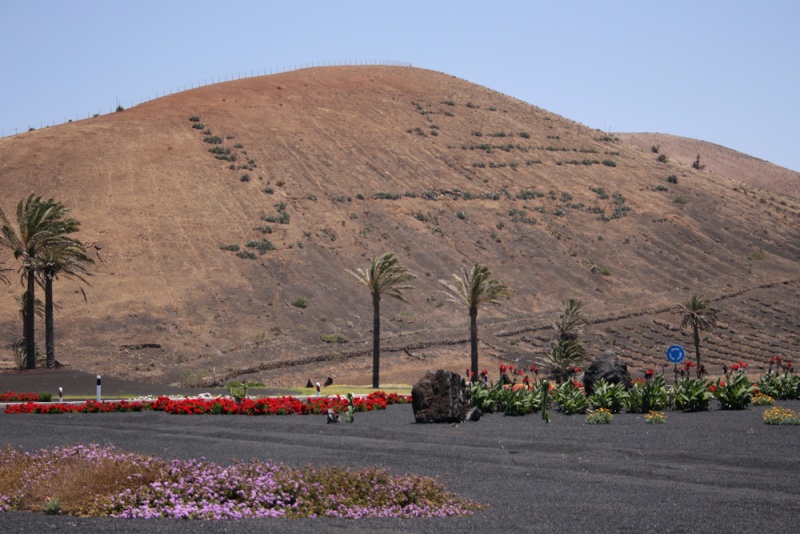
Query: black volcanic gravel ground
[{"x": 715, "y": 471}]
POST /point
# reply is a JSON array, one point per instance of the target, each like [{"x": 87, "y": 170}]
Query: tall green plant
[
  {"x": 699, "y": 316},
  {"x": 473, "y": 289},
  {"x": 384, "y": 276},
  {"x": 567, "y": 352}
]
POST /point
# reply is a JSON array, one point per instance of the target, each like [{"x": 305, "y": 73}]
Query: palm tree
[
  {"x": 569, "y": 323},
  {"x": 472, "y": 289},
  {"x": 700, "y": 316},
  {"x": 384, "y": 275},
  {"x": 567, "y": 352},
  {"x": 69, "y": 259},
  {"x": 41, "y": 224}
]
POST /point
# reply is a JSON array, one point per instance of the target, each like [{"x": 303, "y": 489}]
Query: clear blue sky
[{"x": 721, "y": 71}]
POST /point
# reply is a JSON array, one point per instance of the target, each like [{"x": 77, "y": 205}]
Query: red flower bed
[
  {"x": 11, "y": 396},
  {"x": 264, "y": 406}
]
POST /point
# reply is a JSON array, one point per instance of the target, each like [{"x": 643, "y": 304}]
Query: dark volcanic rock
[
  {"x": 438, "y": 398},
  {"x": 607, "y": 367}
]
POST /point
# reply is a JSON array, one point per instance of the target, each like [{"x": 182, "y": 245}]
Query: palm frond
[
  {"x": 385, "y": 276},
  {"x": 698, "y": 312},
  {"x": 475, "y": 287}
]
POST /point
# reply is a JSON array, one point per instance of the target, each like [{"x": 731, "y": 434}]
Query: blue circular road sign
[{"x": 676, "y": 354}]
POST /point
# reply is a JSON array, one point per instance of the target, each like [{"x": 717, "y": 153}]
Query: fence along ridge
[{"x": 211, "y": 81}]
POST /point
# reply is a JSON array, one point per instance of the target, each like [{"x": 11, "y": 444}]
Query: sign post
[{"x": 675, "y": 355}]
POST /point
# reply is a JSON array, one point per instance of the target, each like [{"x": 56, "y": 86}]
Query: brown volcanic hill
[
  {"x": 751, "y": 171},
  {"x": 333, "y": 165}
]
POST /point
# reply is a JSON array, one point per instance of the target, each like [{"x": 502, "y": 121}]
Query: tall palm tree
[
  {"x": 41, "y": 224},
  {"x": 699, "y": 316},
  {"x": 472, "y": 289},
  {"x": 384, "y": 275},
  {"x": 71, "y": 260}
]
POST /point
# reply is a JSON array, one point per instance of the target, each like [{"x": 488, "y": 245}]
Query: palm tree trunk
[
  {"x": 376, "y": 340},
  {"x": 473, "y": 343},
  {"x": 28, "y": 323},
  {"x": 50, "y": 342},
  {"x": 697, "y": 348}
]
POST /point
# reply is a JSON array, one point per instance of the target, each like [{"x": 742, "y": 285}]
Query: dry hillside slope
[
  {"x": 333, "y": 165},
  {"x": 752, "y": 172}
]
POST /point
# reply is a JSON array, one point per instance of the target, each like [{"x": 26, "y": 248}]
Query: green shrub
[
  {"x": 736, "y": 392},
  {"x": 781, "y": 416},
  {"x": 198, "y": 126},
  {"x": 778, "y": 385},
  {"x": 45, "y": 396},
  {"x": 680, "y": 199},
  {"x": 672, "y": 179},
  {"x": 213, "y": 139},
  {"x": 756, "y": 256},
  {"x": 381, "y": 195},
  {"x": 246, "y": 255},
  {"x": 648, "y": 395},
  {"x": 232, "y": 248},
  {"x": 194, "y": 118},
  {"x": 611, "y": 397},
  {"x": 462, "y": 215},
  {"x": 262, "y": 246},
  {"x": 333, "y": 338},
  {"x": 300, "y": 302},
  {"x": 571, "y": 398},
  {"x": 691, "y": 395},
  {"x": 661, "y": 158},
  {"x": 600, "y": 416},
  {"x": 609, "y": 163},
  {"x": 244, "y": 178}
]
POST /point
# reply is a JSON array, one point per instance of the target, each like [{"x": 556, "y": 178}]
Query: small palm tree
[
  {"x": 71, "y": 260},
  {"x": 42, "y": 224},
  {"x": 699, "y": 316},
  {"x": 570, "y": 322},
  {"x": 384, "y": 275},
  {"x": 567, "y": 352},
  {"x": 472, "y": 289}
]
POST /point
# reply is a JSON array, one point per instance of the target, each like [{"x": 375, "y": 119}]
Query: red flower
[
  {"x": 735, "y": 367},
  {"x": 503, "y": 368},
  {"x": 649, "y": 373},
  {"x": 534, "y": 369}
]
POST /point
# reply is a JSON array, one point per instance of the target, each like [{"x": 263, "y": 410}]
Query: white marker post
[
  {"x": 318, "y": 389},
  {"x": 98, "y": 388},
  {"x": 60, "y": 395}
]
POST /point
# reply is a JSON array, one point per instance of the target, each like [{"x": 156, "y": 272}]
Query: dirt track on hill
[{"x": 717, "y": 471}]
